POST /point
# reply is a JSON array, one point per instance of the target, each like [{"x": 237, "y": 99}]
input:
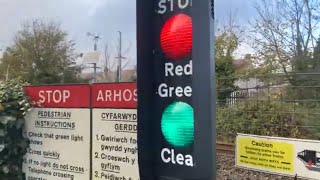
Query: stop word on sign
[{"x": 55, "y": 96}]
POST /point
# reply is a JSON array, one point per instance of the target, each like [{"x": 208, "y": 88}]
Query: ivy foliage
[{"x": 13, "y": 144}]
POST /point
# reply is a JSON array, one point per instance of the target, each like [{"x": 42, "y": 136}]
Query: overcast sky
[{"x": 105, "y": 17}]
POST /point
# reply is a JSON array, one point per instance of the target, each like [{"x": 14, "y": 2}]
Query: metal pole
[
  {"x": 94, "y": 72},
  {"x": 203, "y": 82},
  {"x": 119, "y": 59},
  {"x": 145, "y": 76},
  {"x": 95, "y": 45},
  {"x": 95, "y": 64}
]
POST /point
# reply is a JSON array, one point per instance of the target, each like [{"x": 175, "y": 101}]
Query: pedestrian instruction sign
[
  {"x": 82, "y": 132},
  {"x": 291, "y": 157},
  {"x": 59, "y": 133}
]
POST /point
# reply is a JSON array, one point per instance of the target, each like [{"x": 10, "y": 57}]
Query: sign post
[{"x": 176, "y": 120}]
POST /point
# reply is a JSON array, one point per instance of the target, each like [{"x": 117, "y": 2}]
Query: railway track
[{"x": 225, "y": 148}]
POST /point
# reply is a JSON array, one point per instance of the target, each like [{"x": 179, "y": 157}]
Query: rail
[{"x": 225, "y": 148}]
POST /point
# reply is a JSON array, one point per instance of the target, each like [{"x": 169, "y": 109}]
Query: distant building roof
[
  {"x": 242, "y": 63},
  {"x": 127, "y": 75}
]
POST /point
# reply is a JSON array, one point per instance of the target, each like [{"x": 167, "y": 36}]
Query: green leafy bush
[
  {"x": 268, "y": 117},
  {"x": 13, "y": 144}
]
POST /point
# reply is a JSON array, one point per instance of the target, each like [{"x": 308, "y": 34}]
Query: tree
[
  {"x": 41, "y": 54},
  {"x": 225, "y": 78},
  {"x": 124, "y": 60},
  {"x": 316, "y": 57},
  {"x": 110, "y": 65},
  {"x": 283, "y": 33},
  {"x": 227, "y": 42}
]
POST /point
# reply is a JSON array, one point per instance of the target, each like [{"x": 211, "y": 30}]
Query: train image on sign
[{"x": 311, "y": 159}]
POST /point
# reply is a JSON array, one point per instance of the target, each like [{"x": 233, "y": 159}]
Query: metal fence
[{"x": 285, "y": 105}]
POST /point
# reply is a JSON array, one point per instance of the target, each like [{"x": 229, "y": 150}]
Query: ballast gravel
[{"x": 227, "y": 171}]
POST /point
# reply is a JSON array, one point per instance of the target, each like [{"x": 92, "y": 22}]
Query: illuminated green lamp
[{"x": 177, "y": 124}]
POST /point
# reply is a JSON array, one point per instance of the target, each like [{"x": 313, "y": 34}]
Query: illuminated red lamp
[{"x": 176, "y": 37}]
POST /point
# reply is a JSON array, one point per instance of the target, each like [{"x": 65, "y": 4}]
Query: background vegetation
[
  {"x": 285, "y": 39},
  {"x": 41, "y": 54}
]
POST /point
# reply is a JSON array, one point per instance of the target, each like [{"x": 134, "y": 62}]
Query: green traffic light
[{"x": 177, "y": 124}]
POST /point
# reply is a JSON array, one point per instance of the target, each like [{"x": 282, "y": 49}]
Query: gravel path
[{"x": 227, "y": 171}]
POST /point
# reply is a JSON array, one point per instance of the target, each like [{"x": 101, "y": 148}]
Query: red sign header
[
  {"x": 114, "y": 95},
  {"x": 59, "y": 96}
]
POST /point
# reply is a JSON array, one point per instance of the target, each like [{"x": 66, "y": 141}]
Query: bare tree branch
[
  {"x": 285, "y": 29},
  {"x": 108, "y": 63},
  {"x": 128, "y": 48}
]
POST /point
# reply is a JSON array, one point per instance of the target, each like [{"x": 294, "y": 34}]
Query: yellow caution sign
[{"x": 265, "y": 154}]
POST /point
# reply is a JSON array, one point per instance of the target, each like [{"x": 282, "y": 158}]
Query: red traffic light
[{"x": 176, "y": 37}]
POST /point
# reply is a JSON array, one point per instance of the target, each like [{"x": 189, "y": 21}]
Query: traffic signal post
[{"x": 176, "y": 90}]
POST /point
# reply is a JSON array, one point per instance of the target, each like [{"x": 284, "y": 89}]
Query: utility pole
[
  {"x": 96, "y": 38},
  {"x": 119, "y": 58},
  {"x": 95, "y": 64}
]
